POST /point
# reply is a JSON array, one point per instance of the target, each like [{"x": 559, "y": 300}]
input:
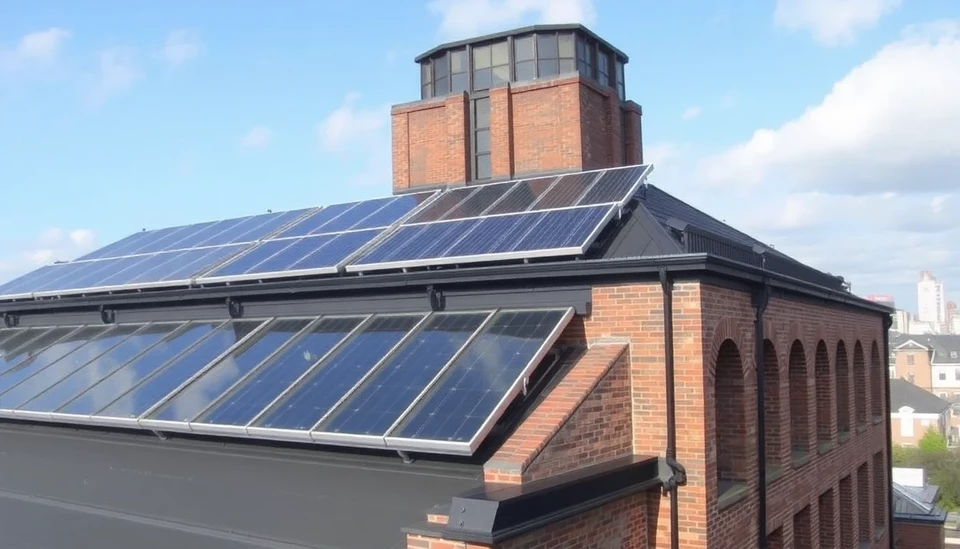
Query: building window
[
  {"x": 799, "y": 400},
  {"x": 555, "y": 54},
  {"x": 491, "y": 66},
  {"x": 771, "y": 408},
  {"x": 825, "y": 511},
  {"x": 458, "y": 71},
  {"x": 481, "y": 138},
  {"x": 525, "y": 58},
  {"x": 879, "y": 489},
  {"x": 603, "y": 68},
  {"x": 910, "y": 359},
  {"x": 441, "y": 76},
  {"x": 953, "y": 354},
  {"x": 906, "y": 424},
  {"x": 802, "y": 532},
  {"x": 843, "y": 388},
  {"x": 863, "y": 503},
  {"x": 621, "y": 86},
  {"x": 586, "y": 53},
  {"x": 861, "y": 381},
  {"x": 821, "y": 373},
  {"x": 729, "y": 414},
  {"x": 956, "y": 374},
  {"x": 847, "y": 534},
  {"x": 426, "y": 79}
]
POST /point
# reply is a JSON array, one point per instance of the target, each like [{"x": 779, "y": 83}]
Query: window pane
[
  {"x": 441, "y": 87},
  {"x": 483, "y": 166},
  {"x": 425, "y": 72},
  {"x": 483, "y": 143},
  {"x": 501, "y": 75},
  {"x": 481, "y": 113},
  {"x": 548, "y": 68},
  {"x": 482, "y": 79},
  {"x": 427, "y": 91},
  {"x": 567, "y": 65},
  {"x": 523, "y": 48},
  {"x": 566, "y": 45},
  {"x": 526, "y": 71},
  {"x": 440, "y": 67},
  {"x": 458, "y": 82},
  {"x": 547, "y": 46},
  {"x": 481, "y": 57},
  {"x": 498, "y": 54},
  {"x": 458, "y": 61}
]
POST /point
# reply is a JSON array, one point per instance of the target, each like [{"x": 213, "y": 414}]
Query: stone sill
[
  {"x": 862, "y": 428},
  {"x": 799, "y": 458},
  {"x": 826, "y": 446},
  {"x": 774, "y": 473},
  {"x": 732, "y": 495},
  {"x": 877, "y": 420},
  {"x": 878, "y": 532},
  {"x": 844, "y": 436}
]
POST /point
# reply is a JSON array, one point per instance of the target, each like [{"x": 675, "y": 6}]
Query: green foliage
[
  {"x": 941, "y": 464},
  {"x": 933, "y": 443}
]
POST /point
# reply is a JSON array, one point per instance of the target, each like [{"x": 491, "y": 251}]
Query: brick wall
[
  {"x": 910, "y": 535},
  {"x": 561, "y": 124},
  {"x": 920, "y": 369}
]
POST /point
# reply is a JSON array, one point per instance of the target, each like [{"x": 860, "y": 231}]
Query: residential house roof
[
  {"x": 903, "y": 393},
  {"x": 945, "y": 347},
  {"x": 912, "y": 503}
]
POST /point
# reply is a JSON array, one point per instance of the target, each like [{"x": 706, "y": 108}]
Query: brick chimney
[{"x": 541, "y": 99}]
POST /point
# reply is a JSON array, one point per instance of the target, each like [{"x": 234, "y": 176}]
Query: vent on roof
[{"x": 696, "y": 240}]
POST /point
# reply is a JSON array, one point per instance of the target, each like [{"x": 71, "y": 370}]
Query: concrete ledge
[{"x": 737, "y": 492}]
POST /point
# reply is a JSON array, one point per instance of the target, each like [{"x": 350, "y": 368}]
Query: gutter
[
  {"x": 887, "y": 323},
  {"x": 678, "y": 475},
  {"x": 760, "y": 300}
]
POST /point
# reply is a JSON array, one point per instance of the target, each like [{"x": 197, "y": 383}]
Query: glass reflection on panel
[{"x": 48, "y": 356}]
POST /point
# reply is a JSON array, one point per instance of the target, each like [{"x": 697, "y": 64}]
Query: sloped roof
[
  {"x": 911, "y": 503},
  {"x": 945, "y": 347},
  {"x": 903, "y": 393}
]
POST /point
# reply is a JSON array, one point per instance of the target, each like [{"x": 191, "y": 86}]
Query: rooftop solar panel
[{"x": 366, "y": 381}]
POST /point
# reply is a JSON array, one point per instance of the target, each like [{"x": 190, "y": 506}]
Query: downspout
[
  {"x": 887, "y": 323},
  {"x": 679, "y": 474},
  {"x": 760, "y": 301}
]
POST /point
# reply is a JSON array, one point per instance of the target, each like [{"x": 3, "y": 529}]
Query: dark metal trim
[
  {"x": 493, "y": 513},
  {"x": 107, "y": 316},
  {"x": 234, "y": 308},
  {"x": 761, "y": 299},
  {"x": 11, "y": 320},
  {"x": 523, "y": 30},
  {"x": 887, "y": 323},
  {"x": 678, "y": 474}
]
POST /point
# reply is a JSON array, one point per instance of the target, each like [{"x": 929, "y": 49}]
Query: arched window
[
  {"x": 821, "y": 369},
  {"x": 860, "y": 384},
  {"x": 877, "y": 372},
  {"x": 799, "y": 400},
  {"x": 843, "y": 389},
  {"x": 730, "y": 417},
  {"x": 771, "y": 404}
]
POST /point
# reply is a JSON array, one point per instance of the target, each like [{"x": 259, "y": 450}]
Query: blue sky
[{"x": 826, "y": 127}]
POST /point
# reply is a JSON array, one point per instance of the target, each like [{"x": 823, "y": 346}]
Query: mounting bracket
[
  {"x": 234, "y": 308},
  {"x": 11, "y": 320},
  {"x": 107, "y": 316},
  {"x": 437, "y": 300},
  {"x": 405, "y": 456}
]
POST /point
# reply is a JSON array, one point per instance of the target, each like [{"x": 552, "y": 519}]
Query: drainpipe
[
  {"x": 887, "y": 323},
  {"x": 679, "y": 476},
  {"x": 760, "y": 301}
]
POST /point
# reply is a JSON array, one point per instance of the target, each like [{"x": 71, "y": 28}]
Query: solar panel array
[
  {"x": 433, "y": 382},
  {"x": 541, "y": 217}
]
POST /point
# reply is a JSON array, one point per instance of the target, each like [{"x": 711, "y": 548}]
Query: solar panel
[
  {"x": 366, "y": 381},
  {"x": 544, "y": 217},
  {"x": 320, "y": 243}
]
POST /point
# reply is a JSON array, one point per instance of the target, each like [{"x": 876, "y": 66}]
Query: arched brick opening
[
  {"x": 821, "y": 370},
  {"x": 771, "y": 404},
  {"x": 730, "y": 416},
  {"x": 799, "y": 400},
  {"x": 842, "y": 369},
  {"x": 877, "y": 372},
  {"x": 860, "y": 384}
]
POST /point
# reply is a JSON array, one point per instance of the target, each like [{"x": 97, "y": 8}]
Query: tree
[{"x": 933, "y": 444}]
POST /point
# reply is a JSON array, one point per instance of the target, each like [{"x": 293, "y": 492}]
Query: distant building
[
  {"x": 931, "y": 305},
  {"x": 913, "y": 411},
  {"x": 931, "y": 362},
  {"x": 918, "y": 520}
]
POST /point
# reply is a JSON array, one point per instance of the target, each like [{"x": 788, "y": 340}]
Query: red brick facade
[
  {"x": 563, "y": 124},
  {"x": 911, "y": 535},
  {"x": 836, "y": 488}
]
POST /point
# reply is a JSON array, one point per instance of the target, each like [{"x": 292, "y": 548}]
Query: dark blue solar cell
[
  {"x": 335, "y": 251},
  {"x": 133, "y": 270},
  {"x": 566, "y": 192},
  {"x": 521, "y": 196},
  {"x": 193, "y": 263},
  {"x": 433, "y": 240},
  {"x": 297, "y": 250},
  {"x": 304, "y": 405},
  {"x": 97, "y": 369},
  {"x": 494, "y": 235},
  {"x": 53, "y": 373},
  {"x": 244, "y": 402},
  {"x": 460, "y": 403},
  {"x": 254, "y": 228},
  {"x": 29, "y": 344},
  {"x": 479, "y": 201},
  {"x": 614, "y": 186},
  {"x": 89, "y": 275},
  {"x": 249, "y": 260},
  {"x": 169, "y": 241},
  {"x": 394, "y": 244},
  {"x": 48, "y": 356},
  {"x": 121, "y": 381},
  {"x": 384, "y": 396},
  {"x": 213, "y": 382},
  {"x": 441, "y": 205},
  {"x": 392, "y": 212},
  {"x": 24, "y": 284},
  {"x": 194, "y": 239},
  {"x": 176, "y": 372},
  {"x": 120, "y": 247},
  {"x": 354, "y": 216},
  {"x": 312, "y": 223},
  {"x": 564, "y": 229}
]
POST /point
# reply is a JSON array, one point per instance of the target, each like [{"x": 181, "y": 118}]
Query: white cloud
[
  {"x": 464, "y": 18},
  {"x": 181, "y": 45},
  {"x": 690, "y": 113},
  {"x": 661, "y": 153},
  {"x": 350, "y": 123},
  {"x": 118, "y": 70},
  {"x": 51, "y": 244},
  {"x": 34, "y": 48},
  {"x": 889, "y": 125},
  {"x": 832, "y": 22},
  {"x": 257, "y": 138}
]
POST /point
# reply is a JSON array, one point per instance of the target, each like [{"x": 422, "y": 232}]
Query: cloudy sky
[{"x": 827, "y": 128}]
